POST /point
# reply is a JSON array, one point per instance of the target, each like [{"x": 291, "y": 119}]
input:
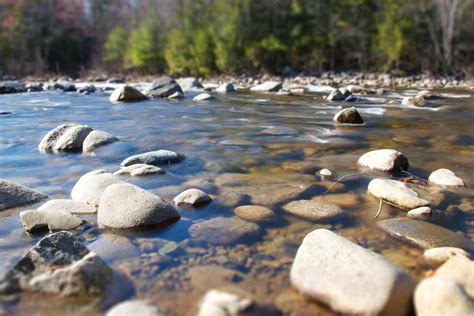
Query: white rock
[
  {"x": 65, "y": 137},
  {"x": 442, "y": 254},
  {"x": 388, "y": 160},
  {"x": 139, "y": 170},
  {"x": 125, "y": 205},
  {"x": 53, "y": 220},
  {"x": 190, "y": 84},
  {"x": 138, "y": 308},
  {"x": 325, "y": 172},
  {"x": 350, "y": 278},
  {"x": 126, "y": 94},
  {"x": 96, "y": 139},
  {"x": 203, "y": 97},
  {"x": 218, "y": 303},
  {"x": 336, "y": 95},
  {"x": 152, "y": 158},
  {"x": 396, "y": 192},
  {"x": 14, "y": 195},
  {"x": 420, "y": 212},
  {"x": 226, "y": 87},
  {"x": 67, "y": 205},
  {"x": 461, "y": 270},
  {"x": 268, "y": 86},
  {"x": 192, "y": 197},
  {"x": 89, "y": 187},
  {"x": 413, "y": 101},
  {"x": 445, "y": 177},
  {"x": 176, "y": 95}
]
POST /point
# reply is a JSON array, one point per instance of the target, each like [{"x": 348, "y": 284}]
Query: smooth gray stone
[
  {"x": 153, "y": 158},
  {"x": 126, "y": 94},
  {"x": 164, "y": 87},
  {"x": 14, "y": 195},
  {"x": 224, "y": 230},
  {"x": 96, "y": 139}
]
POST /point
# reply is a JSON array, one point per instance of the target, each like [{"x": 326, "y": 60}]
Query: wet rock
[
  {"x": 424, "y": 234},
  {"x": 313, "y": 210},
  {"x": 59, "y": 264},
  {"x": 349, "y": 278},
  {"x": 351, "y": 98},
  {"x": 87, "y": 89},
  {"x": 306, "y": 167},
  {"x": 461, "y": 270},
  {"x": 164, "y": 87},
  {"x": 340, "y": 199},
  {"x": 11, "y": 86},
  {"x": 190, "y": 84},
  {"x": 225, "y": 88},
  {"x": 96, "y": 139},
  {"x": 218, "y": 303},
  {"x": 388, "y": 160},
  {"x": 113, "y": 248},
  {"x": 280, "y": 130},
  {"x": 349, "y": 116},
  {"x": 192, "y": 197},
  {"x": 115, "y": 80},
  {"x": 139, "y": 308},
  {"x": 420, "y": 212},
  {"x": 14, "y": 195},
  {"x": 254, "y": 213},
  {"x": 336, "y": 95},
  {"x": 268, "y": 86},
  {"x": 127, "y": 94},
  {"x": 153, "y": 158},
  {"x": 441, "y": 254},
  {"x": 139, "y": 169},
  {"x": 203, "y": 97},
  {"x": 396, "y": 192},
  {"x": 176, "y": 95},
  {"x": 90, "y": 187},
  {"x": 52, "y": 220},
  {"x": 445, "y": 177},
  {"x": 428, "y": 95},
  {"x": 65, "y": 137},
  {"x": 125, "y": 205},
  {"x": 284, "y": 93},
  {"x": 223, "y": 230},
  {"x": 413, "y": 101}
]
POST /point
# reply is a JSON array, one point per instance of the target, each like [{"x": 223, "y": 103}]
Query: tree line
[{"x": 206, "y": 37}]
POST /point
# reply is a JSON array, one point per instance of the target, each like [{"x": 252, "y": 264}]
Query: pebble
[{"x": 420, "y": 212}]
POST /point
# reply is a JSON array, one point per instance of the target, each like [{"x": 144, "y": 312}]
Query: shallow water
[{"x": 229, "y": 151}]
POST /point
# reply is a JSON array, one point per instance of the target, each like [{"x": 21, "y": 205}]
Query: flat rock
[
  {"x": 440, "y": 255},
  {"x": 225, "y": 88},
  {"x": 192, "y": 197},
  {"x": 96, "y": 139},
  {"x": 268, "y": 86},
  {"x": 164, "y": 87},
  {"x": 125, "y": 205},
  {"x": 349, "y": 116},
  {"x": 420, "y": 212},
  {"x": 139, "y": 169},
  {"x": 254, "y": 213},
  {"x": 219, "y": 303},
  {"x": 59, "y": 264},
  {"x": 445, "y": 177},
  {"x": 127, "y": 94},
  {"x": 139, "y": 308},
  {"x": 387, "y": 160},
  {"x": 156, "y": 157},
  {"x": 67, "y": 205},
  {"x": 224, "y": 230},
  {"x": 15, "y": 195},
  {"x": 90, "y": 187},
  {"x": 203, "y": 97},
  {"x": 424, "y": 234},
  {"x": 350, "y": 278},
  {"x": 65, "y": 137},
  {"x": 396, "y": 192},
  {"x": 53, "y": 220},
  {"x": 313, "y": 210}
]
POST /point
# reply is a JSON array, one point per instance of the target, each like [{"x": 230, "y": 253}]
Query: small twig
[
  {"x": 340, "y": 179},
  {"x": 414, "y": 176},
  {"x": 380, "y": 209}
]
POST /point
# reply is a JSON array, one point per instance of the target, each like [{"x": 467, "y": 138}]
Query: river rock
[
  {"x": 461, "y": 270},
  {"x": 96, "y": 139},
  {"x": 71, "y": 206},
  {"x": 420, "y": 212},
  {"x": 53, "y": 220},
  {"x": 65, "y": 137},
  {"x": 349, "y": 116},
  {"x": 139, "y": 308},
  {"x": 441, "y": 254},
  {"x": 164, "y": 87},
  {"x": 59, "y": 264},
  {"x": 112, "y": 248},
  {"x": 224, "y": 230},
  {"x": 90, "y": 187},
  {"x": 280, "y": 130},
  {"x": 156, "y": 157},
  {"x": 219, "y": 303},
  {"x": 445, "y": 177},
  {"x": 192, "y": 197},
  {"x": 350, "y": 278},
  {"x": 139, "y": 169},
  {"x": 313, "y": 210},
  {"x": 336, "y": 95},
  {"x": 387, "y": 160},
  {"x": 424, "y": 234},
  {"x": 428, "y": 95},
  {"x": 268, "y": 86},
  {"x": 203, "y": 97},
  {"x": 254, "y": 213},
  {"x": 126, "y": 94},
  {"x": 225, "y": 88},
  {"x": 190, "y": 84},
  {"x": 413, "y": 101},
  {"x": 396, "y": 192},
  {"x": 125, "y": 205},
  {"x": 14, "y": 195}
]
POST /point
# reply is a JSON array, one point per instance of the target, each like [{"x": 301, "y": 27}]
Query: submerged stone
[
  {"x": 223, "y": 230},
  {"x": 313, "y": 210}
]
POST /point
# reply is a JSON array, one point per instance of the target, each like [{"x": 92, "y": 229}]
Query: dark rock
[
  {"x": 14, "y": 195},
  {"x": 349, "y": 116},
  {"x": 164, "y": 87}
]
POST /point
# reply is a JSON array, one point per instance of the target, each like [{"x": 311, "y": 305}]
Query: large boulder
[
  {"x": 350, "y": 278},
  {"x": 313, "y": 210},
  {"x": 125, "y": 205},
  {"x": 71, "y": 206},
  {"x": 268, "y": 86},
  {"x": 127, "y": 94},
  {"x": 65, "y": 137},
  {"x": 164, "y": 87},
  {"x": 96, "y": 139},
  {"x": 224, "y": 230},
  {"x": 156, "y": 157},
  {"x": 52, "y": 220},
  {"x": 349, "y": 116},
  {"x": 58, "y": 264},
  {"x": 14, "y": 195},
  {"x": 445, "y": 177},
  {"x": 396, "y": 192},
  {"x": 90, "y": 187},
  {"x": 387, "y": 160}
]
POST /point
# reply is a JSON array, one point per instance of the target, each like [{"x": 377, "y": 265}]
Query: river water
[{"x": 243, "y": 148}]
